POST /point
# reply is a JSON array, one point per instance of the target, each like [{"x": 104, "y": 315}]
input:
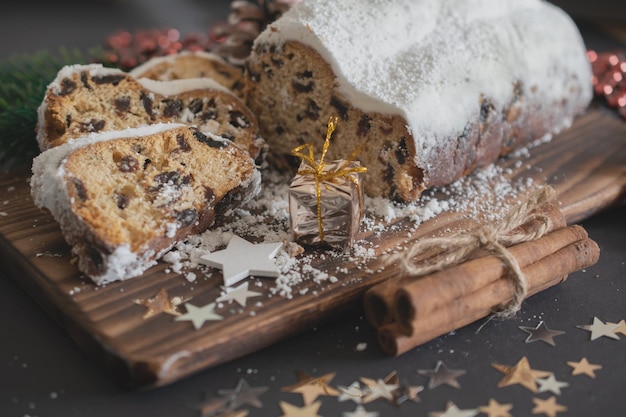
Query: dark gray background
[{"x": 44, "y": 374}]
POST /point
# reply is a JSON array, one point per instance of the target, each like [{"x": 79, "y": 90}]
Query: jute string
[{"x": 494, "y": 238}]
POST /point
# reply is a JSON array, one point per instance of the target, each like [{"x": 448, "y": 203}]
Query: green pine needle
[{"x": 23, "y": 82}]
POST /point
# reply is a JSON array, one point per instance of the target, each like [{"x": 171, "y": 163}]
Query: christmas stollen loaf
[
  {"x": 123, "y": 198},
  {"x": 429, "y": 90},
  {"x": 92, "y": 98},
  {"x": 192, "y": 64}
]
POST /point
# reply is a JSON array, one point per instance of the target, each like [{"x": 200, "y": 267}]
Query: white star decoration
[
  {"x": 199, "y": 315},
  {"x": 360, "y": 412},
  {"x": 239, "y": 294},
  {"x": 551, "y": 384},
  {"x": 241, "y": 259},
  {"x": 600, "y": 328}
]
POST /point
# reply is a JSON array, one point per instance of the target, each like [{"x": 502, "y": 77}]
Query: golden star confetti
[
  {"x": 239, "y": 294},
  {"x": 598, "y": 329},
  {"x": 290, "y": 410},
  {"x": 407, "y": 393},
  {"x": 583, "y": 367},
  {"x": 619, "y": 327},
  {"x": 548, "y": 407},
  {"x": 312, "y": 387},
  {"x": 199, "y": 315},
  {"x": 442, "y": 375},
  {"x": 521, "y": 373},
  {"x": 495, "y": 409},
  {"x": 551, "y": 384},
  {"x": 160, "y": 303},
  {"x": 541, "y": 332},
  {"x": 453, "y": 411}
]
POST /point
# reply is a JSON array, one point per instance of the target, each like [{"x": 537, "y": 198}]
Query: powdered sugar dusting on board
[{"x": 487, "y": 195}]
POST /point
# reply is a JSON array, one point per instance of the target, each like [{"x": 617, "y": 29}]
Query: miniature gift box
[{"x": 326, "y": 206}]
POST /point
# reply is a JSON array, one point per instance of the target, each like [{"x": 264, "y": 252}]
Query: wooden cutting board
[{"x": 585, "y": 164}]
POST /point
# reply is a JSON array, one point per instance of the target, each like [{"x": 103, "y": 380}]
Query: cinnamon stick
[
  {"x": 540, "y": 275},
  {"x": 378, "y": 301},
  {"x": 426, "y": 294}
]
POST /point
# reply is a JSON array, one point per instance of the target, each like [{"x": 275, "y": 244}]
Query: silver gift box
[{"x": 341, "y": 202}]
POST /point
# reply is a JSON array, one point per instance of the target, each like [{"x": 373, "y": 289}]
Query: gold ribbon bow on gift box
[{"x": 319, "y": 171}]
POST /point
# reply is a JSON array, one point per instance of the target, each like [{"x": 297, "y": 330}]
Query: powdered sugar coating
[{"x": 431, "y": 60}]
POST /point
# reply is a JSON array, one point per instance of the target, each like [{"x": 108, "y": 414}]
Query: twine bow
[
  {"x": 495, "y": 238},
  {"x": 321, "y": 174}
]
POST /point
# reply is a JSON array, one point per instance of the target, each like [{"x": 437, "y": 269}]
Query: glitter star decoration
[
  {"x": 551, "y": 384},
  {"x": 599, "y": 328},
  {"x": 312, "y": 387},
  {"x": 239, "y": 294},
  {"x": 453, "y": 411},
  {"x": 243, "y": 394},
  {"x": 547, "y": 407},
  {"x": 495, "y": 409},
  {"x": 290, "y": 410},
  {"x": 241, "y": 259},
  {"x": 199, "y": 315},
  {"x": 442, "y": 375},
  {"x": 520, "y": 373},
  {"x": 541, "y": 332},
  {"x": 160, "y": 303},
  {"x": 583, "y": 367}
]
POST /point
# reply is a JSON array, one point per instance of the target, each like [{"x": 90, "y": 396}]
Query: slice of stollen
[
  {"x": 192, "y": 64},
  {"x": 91, "y": 98},
  {"x": 124, "y": 198}
]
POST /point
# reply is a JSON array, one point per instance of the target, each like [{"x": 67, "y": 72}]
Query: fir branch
[{"x": 23, "y": 82}]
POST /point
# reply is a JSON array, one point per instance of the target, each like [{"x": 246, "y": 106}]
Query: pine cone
[{"x": 245, "y": 22}]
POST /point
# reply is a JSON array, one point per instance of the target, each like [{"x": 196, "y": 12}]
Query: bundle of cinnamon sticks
[{"x": 415, "y": 308}]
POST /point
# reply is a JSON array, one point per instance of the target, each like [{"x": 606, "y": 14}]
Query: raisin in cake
[
  {"x": 429, "y": 89},
  {"x": 123, "y": 198},
  {"x": 192, "y": 64},
  {"x": 92, "y": 98}
]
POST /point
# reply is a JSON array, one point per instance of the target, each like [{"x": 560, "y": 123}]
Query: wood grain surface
[{"x": 585, "y": 164}]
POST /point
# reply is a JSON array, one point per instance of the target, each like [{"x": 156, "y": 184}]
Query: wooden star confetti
[
  {"x": 241, "y": 259},
  {"x": 380, "y": 388},
  {"x": 359, "y": 411},
  {"x": 521, "y": 373},
  {"x": 619, "y": 327},
  {"x": 453, "y": 411},
  {"x": 583, "y": 367},
  {"x": 290, "y": 410},
  {"x": 551, "y": 384},
  {"x": 495, "y": 409},
  {"x": 548, "y": 407},
  {"x": 160, "y": 303},
  {"x": 353, "y": 392},
  {"x": 243, "y": 394},
  {"x": 442, "y": 375},
  {"x": 312, "y": 387},
  {"x": 599, "y": 329},
  {"x": 541, "y": 332},
  {"x": 199, "y": 315},
  {"x": 239, "y": 294}
]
